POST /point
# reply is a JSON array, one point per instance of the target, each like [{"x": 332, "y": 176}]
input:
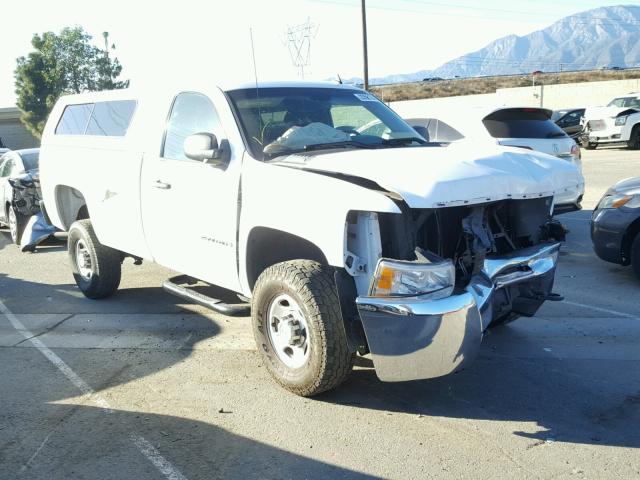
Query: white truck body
[{"x": 225, "y": 224}]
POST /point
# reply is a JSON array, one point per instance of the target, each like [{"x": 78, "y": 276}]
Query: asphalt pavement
[{"x": 144, "y": 386}]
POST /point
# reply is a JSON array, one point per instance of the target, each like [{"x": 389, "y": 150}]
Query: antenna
[{"x": 298, "y": 39}]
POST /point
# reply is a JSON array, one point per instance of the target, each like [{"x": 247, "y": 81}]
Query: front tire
[
  {"x": 635, "y": 256},
  {"x": 634, "y": 139},
  {"x": 298, "y": 328},
  {"x": 96, "y": 267}
]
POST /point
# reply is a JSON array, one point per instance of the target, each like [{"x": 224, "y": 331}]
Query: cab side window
[{"x": 190, "y": 113}]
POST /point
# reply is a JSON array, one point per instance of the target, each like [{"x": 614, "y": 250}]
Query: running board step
[{"x": 173, "y": 286}]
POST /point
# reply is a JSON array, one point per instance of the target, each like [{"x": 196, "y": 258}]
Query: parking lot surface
[{"x": 144, "y": 386}]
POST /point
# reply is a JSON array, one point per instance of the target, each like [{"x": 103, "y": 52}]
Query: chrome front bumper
[{"x": 414, "y": 338}]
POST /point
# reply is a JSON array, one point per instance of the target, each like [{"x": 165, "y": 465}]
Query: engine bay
[{"x": 468, "y": 234}]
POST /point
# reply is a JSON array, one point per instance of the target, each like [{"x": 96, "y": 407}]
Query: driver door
[{"x": 190, "y": 208}]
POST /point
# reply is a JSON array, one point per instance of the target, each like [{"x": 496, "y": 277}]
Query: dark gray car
[
  {"x": 569, "y": 120},
  {"x": 615, "y": 225}
]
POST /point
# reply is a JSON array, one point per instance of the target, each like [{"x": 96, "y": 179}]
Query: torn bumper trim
[{"x": 417, "y": 338}]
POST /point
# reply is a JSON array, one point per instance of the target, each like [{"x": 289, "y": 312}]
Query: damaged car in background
[
  {"x": 346, "y": 230},
  {"x": 22, "y": 208},
  {"x": 617, "y": 124}
]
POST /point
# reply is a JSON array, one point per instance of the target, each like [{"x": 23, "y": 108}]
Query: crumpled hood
[
  {"x": 458, "y": 174},
  {"x": 599, "y": 113}
]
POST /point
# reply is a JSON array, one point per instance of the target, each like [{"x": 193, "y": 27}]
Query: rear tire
[
  {"x": 96, "y": 267},
  {"x": 301, "y": 293},
  {"x": 635, "y": 256},
  {"x": 16, "y": 223}
]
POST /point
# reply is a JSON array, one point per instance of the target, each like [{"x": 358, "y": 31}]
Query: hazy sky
[{"x": 158, "y": 41}]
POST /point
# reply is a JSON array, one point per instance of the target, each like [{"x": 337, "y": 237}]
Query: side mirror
[
  {"x": 422, "y": 131},
  {"x": 204, "y": 148}
]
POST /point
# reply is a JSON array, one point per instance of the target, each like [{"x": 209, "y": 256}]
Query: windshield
[
  {"x": 633, "y": 102},
  {"x": 278, "y": 121},
  {"x": 29, "y": 160}
]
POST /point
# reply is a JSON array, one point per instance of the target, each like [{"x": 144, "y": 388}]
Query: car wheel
[
  {"x": 635, "y": 256},
  {"x": 16, "y": 222},
  {"x": 634, "y": 139},
  {"x": 298, "y": 328},
  {"x": 96, "y": 267}
]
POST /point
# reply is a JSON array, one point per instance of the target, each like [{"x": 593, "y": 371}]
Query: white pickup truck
[{"x": 345, "y": 238}]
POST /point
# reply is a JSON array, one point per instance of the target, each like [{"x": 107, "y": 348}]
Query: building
[{"x": 13, "y": 133}]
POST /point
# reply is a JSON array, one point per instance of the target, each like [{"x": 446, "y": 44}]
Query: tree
[{"x": 62, "y": 63}]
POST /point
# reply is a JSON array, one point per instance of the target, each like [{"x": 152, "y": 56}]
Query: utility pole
[{"x": 364, "y": 46}]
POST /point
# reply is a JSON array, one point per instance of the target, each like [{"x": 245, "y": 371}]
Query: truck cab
[{"x": 343, "y": 242}]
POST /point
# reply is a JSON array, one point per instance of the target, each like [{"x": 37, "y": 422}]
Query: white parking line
[
  {"x": 144, "y": 446},
  {"x": 603, "y": 310}
]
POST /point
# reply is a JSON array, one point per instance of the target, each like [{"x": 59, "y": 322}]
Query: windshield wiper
[
  {"x": 556, "y": 135},
  {"x": 322, "y": 146},
  {"x": 404, "y": 141}
]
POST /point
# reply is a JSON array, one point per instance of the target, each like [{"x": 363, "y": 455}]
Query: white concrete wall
[
  {"x": 567, "y": 95},
  {"x": 419, "y": 108}
]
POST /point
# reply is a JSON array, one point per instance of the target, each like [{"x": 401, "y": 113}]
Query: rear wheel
[
  {"x": 635, "y": 256},
  {"x": 96, "y": 267},
  {"x": 16, "y": 222},
  {"x": 298, "y": 327}
]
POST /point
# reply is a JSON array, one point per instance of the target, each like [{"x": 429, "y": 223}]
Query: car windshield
[
  {"x": 279, "y": 121},
  {"x": 623, "y": 102},
  {"x": 557, "y": 114},
  {"x": 30, "y": 160}
]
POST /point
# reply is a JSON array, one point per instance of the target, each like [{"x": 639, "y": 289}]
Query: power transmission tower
[{"x": 298, "y": 39}]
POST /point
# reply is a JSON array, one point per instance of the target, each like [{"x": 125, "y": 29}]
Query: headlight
[
  {"x": 394, "y": 278},
  {"x": 621, "y": 120},
  {"x": 619, "y": 200}
]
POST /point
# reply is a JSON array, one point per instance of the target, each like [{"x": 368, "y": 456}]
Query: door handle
[{"x": 162, "y": 185}]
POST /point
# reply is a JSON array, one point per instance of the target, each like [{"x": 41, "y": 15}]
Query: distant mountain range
[{"x": 603, "y": 37}]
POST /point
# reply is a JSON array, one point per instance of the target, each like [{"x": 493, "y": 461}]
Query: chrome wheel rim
[
  {"x": 13, "y": 224},
  {"x": 83, "y": 260},
  {"x": 288, "y": 331}
]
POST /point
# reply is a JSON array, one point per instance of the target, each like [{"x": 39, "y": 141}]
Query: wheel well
[
  {"x": 266, "y": 247},
  {"x": 629, "y": 236},
  {"x": 71, "y": 205}
]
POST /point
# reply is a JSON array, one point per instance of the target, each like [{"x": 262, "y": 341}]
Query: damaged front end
[
  {"x": 444, "y": 275},
  {"x": 27, "y": 203}
]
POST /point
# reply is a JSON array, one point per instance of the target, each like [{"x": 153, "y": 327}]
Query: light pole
[{"x": 364, "y": 46}]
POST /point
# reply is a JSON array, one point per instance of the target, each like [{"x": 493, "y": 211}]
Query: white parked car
[
  {"x": 616, "y": 124},
  {"x": 344, "y": 242},
  {"x": 528, "y": 128}
]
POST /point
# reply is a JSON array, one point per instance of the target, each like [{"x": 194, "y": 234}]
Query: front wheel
[
  {"x": 17, "y": 224},
  {"x": 298, "y": 327},
  {"x": 96, "y": 267},
  {"x": 634, "y": 139}
]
